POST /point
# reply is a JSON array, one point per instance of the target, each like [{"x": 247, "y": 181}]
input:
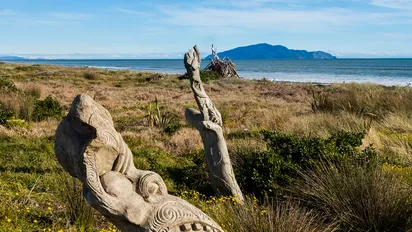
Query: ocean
[{"x": 381, "y": 71}]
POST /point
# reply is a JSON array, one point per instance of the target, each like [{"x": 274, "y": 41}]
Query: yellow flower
[
  {"x": 17, "y": 194},
  {"x": 35, "y": 221},
  {"x": 9, "y": 220},
  {"x": 49, "y": 208},
  {"x": 263, "y": 212}
]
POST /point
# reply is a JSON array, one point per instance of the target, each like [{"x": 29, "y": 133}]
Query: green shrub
[
  {"x": 206, "y": 76},
  {"x": 27, "y": 68},
  {"x": 5, "y": 115},
  {"x": 267, "y": 173},
  {"x": 47, "y": 108},
  {"x": 192, "y": 173},
  {"x": 7, "y": 84},
  {"x": 90, "y": 75},
  {"x": 360, "y": 196},
  {"x": 172, "y": 128}
]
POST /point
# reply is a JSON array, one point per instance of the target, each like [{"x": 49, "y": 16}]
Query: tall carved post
[
  {"x": 208, "y": 122},
  {"x": 90, "y": 149}
]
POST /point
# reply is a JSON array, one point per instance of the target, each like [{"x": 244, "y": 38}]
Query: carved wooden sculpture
[
  {"x": 90, "y": 149},
  {"x": 208, "y": 122}
]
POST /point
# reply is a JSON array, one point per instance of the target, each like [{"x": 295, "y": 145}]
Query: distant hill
[
  {"x": 267, "y": 51},
  {"x": 11, "y": 58}
]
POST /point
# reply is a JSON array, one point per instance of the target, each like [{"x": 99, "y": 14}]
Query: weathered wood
[
  {"x": 208, "y": 122},
  {"x": 224, "y": 67}
]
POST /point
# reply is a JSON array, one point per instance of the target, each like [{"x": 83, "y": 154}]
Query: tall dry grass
[
  {"x": 31, "y": 89},
  {"x": 363, "y": 100},
  {"x": 250, "y": 216},
  {"x": 22, "y": 106},
  {"x": 359, "y": 197}
]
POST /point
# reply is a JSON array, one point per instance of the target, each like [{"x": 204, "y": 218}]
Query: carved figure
[
  {"x": 208, "y": 122},
  {"x": 90, "y": 149}
]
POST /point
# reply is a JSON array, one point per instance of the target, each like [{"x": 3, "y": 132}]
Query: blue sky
[{"x": 167, "y": 28}]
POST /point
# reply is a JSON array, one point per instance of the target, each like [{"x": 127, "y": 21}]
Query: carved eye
[{"x": 152, "y": 188}]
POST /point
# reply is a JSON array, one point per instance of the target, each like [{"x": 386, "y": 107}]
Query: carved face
[{"x": 90, "y": 149}]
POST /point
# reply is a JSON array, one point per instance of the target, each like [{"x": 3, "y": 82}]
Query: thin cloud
[
  {"x": 6, "y": 12},
  {"x": 69, "y": 16},
  {"x": 322, "y": 20},
  {"x": 133, "y": 12},
  {"x": 398, "y": 36},
  {"x": 396, "y": 4}
]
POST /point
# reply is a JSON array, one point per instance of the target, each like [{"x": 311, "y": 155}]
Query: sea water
[{"x": 380, "y": 71}]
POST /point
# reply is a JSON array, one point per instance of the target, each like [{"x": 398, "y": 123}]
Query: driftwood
[
  {"x": 208, "y": 122},
  {"x": 224, "y": 67}
]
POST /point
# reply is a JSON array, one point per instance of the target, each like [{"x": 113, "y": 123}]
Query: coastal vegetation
[{"x": 308, "y": 157}]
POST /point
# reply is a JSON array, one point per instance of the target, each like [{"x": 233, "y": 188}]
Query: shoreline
[{"x": 277, "y": 77}]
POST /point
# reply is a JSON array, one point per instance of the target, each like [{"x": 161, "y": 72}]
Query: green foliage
[
  {"x": 47, "y": 108},
  {"x": 172, "y": 128},
  {"x": 267, "y": 173},
  {"x": 27, "y": 155},
  {"x": 12, "y": 123},
  {"x": 192, "y": 173},
  {"x": 207, "y": 76},
  {"x": 7, "y": 84},
  {"x": 79, "y": 213},
  {"x": 5, "y": 115},
  {"x": 156, "y": 117},
  {"x": 36, "y": 194}
]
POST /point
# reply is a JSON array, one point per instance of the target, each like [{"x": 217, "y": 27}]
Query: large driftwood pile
[{"x": 224, "y": 67}]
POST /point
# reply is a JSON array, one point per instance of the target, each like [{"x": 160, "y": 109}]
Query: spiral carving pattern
[
  {"x": 108, "y": 138},
  {"x": 171, "y": 215},
  {"x": 147, "y": 180}
]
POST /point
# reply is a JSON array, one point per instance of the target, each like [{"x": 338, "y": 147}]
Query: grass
[
  {"x": 273, "y": 216},
  {"x": 31, "y": 178},
  {"x": 360, "y": 197}
]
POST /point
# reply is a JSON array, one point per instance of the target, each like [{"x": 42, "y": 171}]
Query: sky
[{"x": 168, "y": 28}]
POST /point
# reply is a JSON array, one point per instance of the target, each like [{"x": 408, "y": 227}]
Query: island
[
  {"x": 264, "y": 51},
  {"x": 11, "y": 58}
]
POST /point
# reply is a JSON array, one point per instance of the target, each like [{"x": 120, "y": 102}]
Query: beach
[
  {"x": 32, "y": 178},
  {"x": 380, "y": 71}
]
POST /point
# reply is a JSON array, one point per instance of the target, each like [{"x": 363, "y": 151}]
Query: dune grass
[{"x": 36, "y": 194}]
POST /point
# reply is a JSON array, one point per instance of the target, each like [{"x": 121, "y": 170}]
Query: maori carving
[
  {"x": 90, "y": 149},
  {"x": 208, "y": 122}
]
